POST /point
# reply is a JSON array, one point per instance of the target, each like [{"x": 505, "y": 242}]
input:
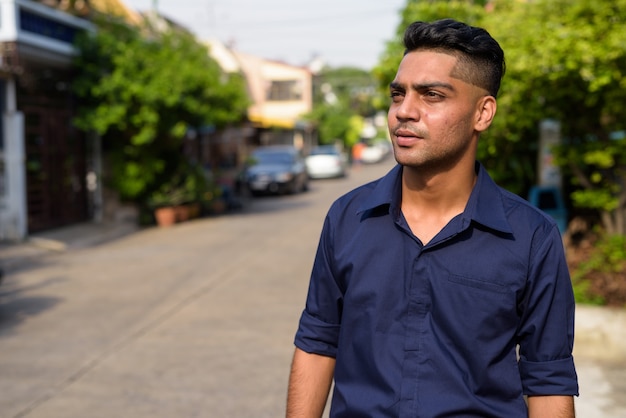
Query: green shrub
[{"x": 601, "y": 277}]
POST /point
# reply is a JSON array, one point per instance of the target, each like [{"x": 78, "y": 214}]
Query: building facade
[
  {"x": 280, "y": 94},
  {"x": 44, "y": 161}
]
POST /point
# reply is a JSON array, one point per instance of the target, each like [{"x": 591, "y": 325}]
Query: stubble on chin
[
  {"x": 410, "y": 159},
  {"x": 409, "y": 156},
  {"x": 412, "y": 155},
  {"x": 428, "y": 160}
]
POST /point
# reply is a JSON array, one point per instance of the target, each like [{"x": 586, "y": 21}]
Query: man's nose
[{"x": 407, "y": 110}]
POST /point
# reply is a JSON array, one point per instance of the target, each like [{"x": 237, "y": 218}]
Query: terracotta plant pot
[
  {"x": 165, "y": 216},
  {"x": 182, "y": 213}
]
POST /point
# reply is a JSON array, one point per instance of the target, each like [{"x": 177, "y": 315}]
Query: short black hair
[{"x": 480, "y": 55}]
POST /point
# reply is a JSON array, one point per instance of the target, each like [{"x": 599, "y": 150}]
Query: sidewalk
[
  {"x": 600, "y": 333},
  {"x": 16, "y": 254}
]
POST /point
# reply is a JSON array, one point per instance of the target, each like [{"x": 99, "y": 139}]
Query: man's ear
[{"x": 485, "y": 112}]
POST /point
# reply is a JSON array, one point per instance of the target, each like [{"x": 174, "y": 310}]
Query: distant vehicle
[
  {"x": 376, "y": 153},
  {"x": 276, "y": 169},
  {"x": 326, "y": 161}
]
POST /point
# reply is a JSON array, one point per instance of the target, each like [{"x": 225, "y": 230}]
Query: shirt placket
[{"x": 414, "y": 354}]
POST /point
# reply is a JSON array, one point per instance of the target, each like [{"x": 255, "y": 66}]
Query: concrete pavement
[
  {"x": 88, "y": 234},
  {"x": 196, "y": 320},
  {"x": 161, "y": 323}
]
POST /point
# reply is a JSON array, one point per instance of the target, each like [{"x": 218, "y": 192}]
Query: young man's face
[{"x": 435, "y": 118}]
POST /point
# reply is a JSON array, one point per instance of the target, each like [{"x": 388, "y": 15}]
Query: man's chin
[{"x": 407, "y": 157}]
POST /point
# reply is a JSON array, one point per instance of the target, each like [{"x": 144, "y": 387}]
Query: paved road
[{"x": 192, "y": 321}]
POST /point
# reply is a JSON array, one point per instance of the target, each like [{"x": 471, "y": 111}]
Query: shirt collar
[
  {"x": 484, "y": 206},
  {"x": 386, "y": 192}
]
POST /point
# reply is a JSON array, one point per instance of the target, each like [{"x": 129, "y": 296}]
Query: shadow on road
[{"x": 16, "y": 307}]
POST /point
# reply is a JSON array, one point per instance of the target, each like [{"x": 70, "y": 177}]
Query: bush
[{"x": 599, "y": 277}]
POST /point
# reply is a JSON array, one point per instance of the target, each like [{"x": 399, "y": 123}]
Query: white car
[
  {"x": 376, "y": 153},
  {"x": 326, "y": 161}
]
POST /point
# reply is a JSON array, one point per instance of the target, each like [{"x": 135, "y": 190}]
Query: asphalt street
[{"x": 196, "y": 320}]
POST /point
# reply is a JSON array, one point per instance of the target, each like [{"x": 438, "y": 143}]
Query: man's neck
[
  {"x": 438, "y": 190},
  {"x": 431, "y": 200}
]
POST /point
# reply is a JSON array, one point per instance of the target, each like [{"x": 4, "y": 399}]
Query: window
[
  {"x": 285, "y": 90},
  {"x": 40, "y": 25}
]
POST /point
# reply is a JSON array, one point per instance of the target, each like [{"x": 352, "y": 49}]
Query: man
[{"x": 434, "y": 292}]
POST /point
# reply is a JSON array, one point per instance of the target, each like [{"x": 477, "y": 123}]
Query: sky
[{"x": 340, "y": 32}]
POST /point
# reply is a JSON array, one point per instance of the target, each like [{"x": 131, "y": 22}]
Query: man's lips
[
  {"x": 405, "y": 137},
  {"x": 404, "y": 132}
]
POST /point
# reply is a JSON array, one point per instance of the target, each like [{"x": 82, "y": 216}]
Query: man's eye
[{"x": 433, "y": 95}]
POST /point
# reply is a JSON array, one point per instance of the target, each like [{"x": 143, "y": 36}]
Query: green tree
[
  {"x": 343, "y": 97},
  {"x": 566, "y": 61},
  {"x": 141, "y": 91}
]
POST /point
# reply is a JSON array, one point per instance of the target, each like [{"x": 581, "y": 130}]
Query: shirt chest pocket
[
  {"x": 477, "y": 284},
  {"x": 474, "y": 307}
]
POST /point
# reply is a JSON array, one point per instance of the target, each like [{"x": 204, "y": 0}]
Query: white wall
[{"x": 13, "y": 213}]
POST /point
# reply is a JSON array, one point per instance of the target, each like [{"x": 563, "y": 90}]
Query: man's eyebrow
[{"x": 423, "y": 86}]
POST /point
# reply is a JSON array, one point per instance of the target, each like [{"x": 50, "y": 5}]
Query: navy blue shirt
[{"x": 432, "y": 330}]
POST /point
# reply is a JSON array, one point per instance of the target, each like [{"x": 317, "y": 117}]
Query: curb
[
  {"x": 600, "y": 333},
  {"x": 18, "y": 254}
]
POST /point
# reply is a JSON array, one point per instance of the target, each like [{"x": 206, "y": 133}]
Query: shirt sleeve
[
  {"x": 318, "y": 331},
  {"x": 546, "y": 334}
]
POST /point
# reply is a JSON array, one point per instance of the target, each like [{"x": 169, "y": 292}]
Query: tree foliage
[
  {"x": 566, "y": 60},
  {"x": 141, "y": 91},
  {"x": 342, "y": 98}
]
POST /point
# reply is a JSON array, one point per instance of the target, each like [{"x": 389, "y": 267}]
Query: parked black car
[{"x": 276, "y": 169}]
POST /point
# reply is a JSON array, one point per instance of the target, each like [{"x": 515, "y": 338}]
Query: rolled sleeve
[
  {"x": 547, "y": 330},
  {"x": 318, "y": 331},
  {"x": 316, "y": 336},
  {"x": 557, "y": 377}
]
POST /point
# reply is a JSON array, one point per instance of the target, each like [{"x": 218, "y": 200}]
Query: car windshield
[
  {"x": 324, "y": 150},
  {"x": 273, "y": 158}
]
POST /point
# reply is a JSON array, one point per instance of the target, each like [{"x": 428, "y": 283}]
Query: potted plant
[
  {"x": 164, "y": 202},
  {"x": 181, "y": 195}
]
